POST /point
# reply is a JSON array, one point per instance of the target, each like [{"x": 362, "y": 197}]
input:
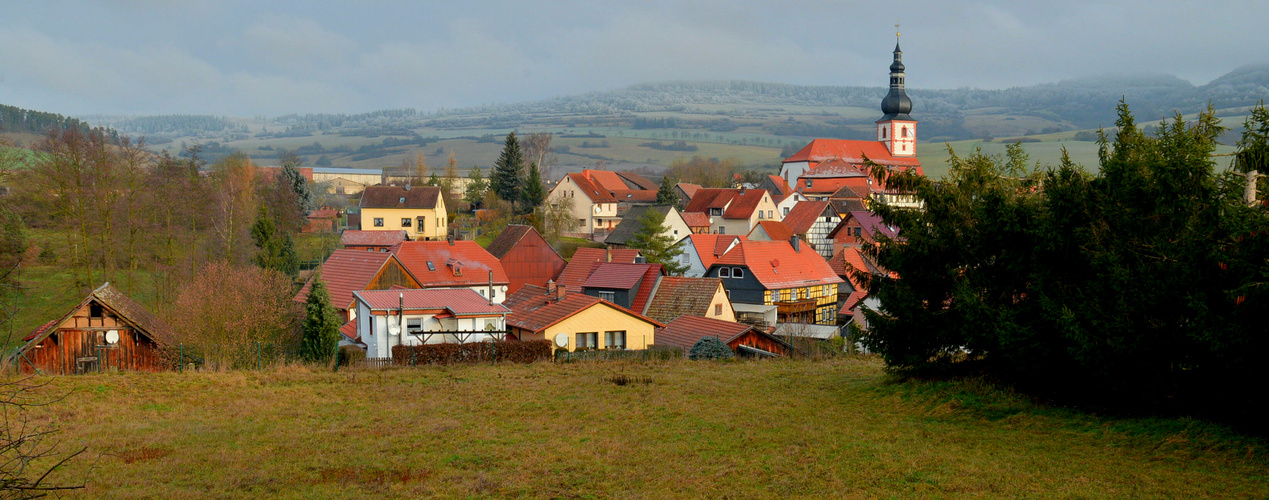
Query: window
[
  {"x": 615, "y": 340},
  {"x": 609, "y": 296},
  {"x": 686, "y": 259},
  {"x": 722, "y": 230},
  {"x": 718, "y": 309},
  {"x": 724, "y": 272},
  {"x": 883, "y": 132},
  {"x": 905, "y": 131},
  {"x": 414, "y": 325},
  {"x": 715, "y": 212},
  {"x": 802, "y": 293},
  {"x": 431, "y": 266},
  {"x": 378, "y": 221},
  {"x": 405, "y": 222},
  {"x": 587, "y": 340},
  {"x": 760, "y": 214},
  {"x": 808, "y": 182},
  {"x": 95, "y": 310},
  {"x": 737, "y": 272},
  {"x": 786, "y": 211},
  {"x": 826, "y": 290},
  {"x": 770, "y": 214},
  {"x": 857, "y": 231}
]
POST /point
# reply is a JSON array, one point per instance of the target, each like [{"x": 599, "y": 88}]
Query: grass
[{"x": 785, "y": 429}]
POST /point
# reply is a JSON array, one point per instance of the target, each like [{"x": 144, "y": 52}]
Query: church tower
[{"x": 896, "y": 129}]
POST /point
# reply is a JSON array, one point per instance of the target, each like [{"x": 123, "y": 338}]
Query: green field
[{"x": 784, "y": 429}]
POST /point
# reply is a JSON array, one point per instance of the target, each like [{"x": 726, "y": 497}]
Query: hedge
[{"x": 475, "y": 352}]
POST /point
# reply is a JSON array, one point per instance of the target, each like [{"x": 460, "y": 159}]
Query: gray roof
[{"x": 630, "y": 223}]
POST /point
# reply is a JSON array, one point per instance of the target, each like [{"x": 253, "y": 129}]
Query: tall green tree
[
  {"x": 320, "y": 331},
  {"x": 656, "y": 246},
  {"x": 295, "y": 181},
  {"x": 276, "y": 248},
  {"x": 666, "y": 194},
  {"x": 476, "y": 186},
  {"x": 1253, "y": 151},
  {"x": 508, "y": 171},
  {"x": 533, "y": 192}
]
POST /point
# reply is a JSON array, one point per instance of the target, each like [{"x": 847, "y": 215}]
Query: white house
[{"x": 387, "y": 318}]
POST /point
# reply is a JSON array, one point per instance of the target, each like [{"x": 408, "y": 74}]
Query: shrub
[
  {"x": 350, "y": 355},
  {"x": 476, "y": 352},
  {"x": 710, "y": 348}
]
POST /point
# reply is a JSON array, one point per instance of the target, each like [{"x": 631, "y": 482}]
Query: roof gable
[
  {"x": 745, "y": 202},
  {"x": 424, "y": 197},
  {"x": 507, "y": 239},
  {"x": 676, "y": 296},
  {"x": 345, "y": 272},
  {"x": 122, "y": 307},
  {"x": 770, "y": 229},
  {"x": 777, "y": 265},
  {"x": 804, "y": 215}
]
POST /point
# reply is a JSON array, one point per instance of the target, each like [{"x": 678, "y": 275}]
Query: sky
[{"x": 253, "y": 58}]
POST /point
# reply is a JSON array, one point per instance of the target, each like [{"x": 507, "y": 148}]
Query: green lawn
[{"x": 784, "y": 429}]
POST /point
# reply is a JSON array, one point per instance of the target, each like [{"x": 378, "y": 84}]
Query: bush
[
  {"x": 350, "y": 355},
  {"x": 710, "y": 348},
  {"x": 476, "y": 352}
]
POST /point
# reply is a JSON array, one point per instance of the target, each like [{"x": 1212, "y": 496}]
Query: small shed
[
  {"x": 746, "y": 340},
  {"x": 105, "y": 330}
]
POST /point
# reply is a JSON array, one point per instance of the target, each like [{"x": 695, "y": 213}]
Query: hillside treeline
[
  {"x": 15, "y": 119},
  {"x": 1140, "y": 287}
]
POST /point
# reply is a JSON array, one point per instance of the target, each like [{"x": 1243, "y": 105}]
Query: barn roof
[{"x": 122, "y": 307}]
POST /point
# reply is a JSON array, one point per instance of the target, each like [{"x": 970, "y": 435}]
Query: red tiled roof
[
  {"x": 635, "y": 195},
  {"x": 804, "y": 215},
  {"x": 458, "y": 263},
  {"x": 686, "y": 330},
  {"x": 616, "y": 275},
  {"x": 709, "y": 247},
  {"x": 532, "y": 309},
  {"x": 835, "y": 167},
  {"x": 323, "y": 213},
  {"x": 353, "y": 237},
  {"x": 579, "y": 268},
  {"x": 776, "y": 230},
  {"x": 591, "y": 191},
  {"x": 345, "y": 272},
  {"x": 677, "y": 296},
  {"x": 399, "y": 197},
  {"x": 41, "y": 329},
  {"x": 744, "y": 203},
  {"x": 350, "y": 330},
  {"x": 606, "y": 179},
  {"x": 639, "y": 180},
  {"x": 829, "y": 186},
  {"x": 507, "y": 239},
  {"x": 776, "y": 265},
  {"x": 689, "y": 189},
  {"x": 780, "y": 184},
  {"x": 460, "y": 302},
  {"x": 645, "y": 288},
  {"x": 852, "y": 151},
  {"x": 707, "y": 198},
  {"x": 695, "y": 219}
]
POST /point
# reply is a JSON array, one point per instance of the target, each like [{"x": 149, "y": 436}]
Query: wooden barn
[
  {"x": 526, "y": 257},
  {"x": 107, "y": 330}
]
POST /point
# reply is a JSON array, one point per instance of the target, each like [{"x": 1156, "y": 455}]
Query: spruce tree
[
  {"x": 533, "y": 193},
  {"x": 276, "y": 248},
  {"x": 666, "y": 194},
  {"x": 656, "y": 246},
  {"x": 476, "y": 187},
  {"x": 507, "y": 172},
  {"x": 320, "y": 332}
]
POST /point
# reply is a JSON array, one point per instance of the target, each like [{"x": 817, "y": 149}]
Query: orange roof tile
[
  {"x": 804, "y": 215},
  {"x": 776, "y": 230},
  {"x": 744, "y": 203},
  {"x": 583, "y": 261},
  {"x": 695, "y": 219},
  {"x": 645, "y": 288},
  {"x": 345, "y": 272},
  {"x": 689, "y": 189},
  {"x": 591, "y": 191},
  {"x": 709, "y": 247},
  {"x": 534, "y": 310},
  {"x": 777, "y": 265},
  {"x": 458, "y": 263},
  {"x": 606, "y": 179},
  {"x": 852, "y": 151}
]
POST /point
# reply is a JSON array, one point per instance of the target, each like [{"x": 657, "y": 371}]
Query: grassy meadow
[{"x": 784, "y": 429}]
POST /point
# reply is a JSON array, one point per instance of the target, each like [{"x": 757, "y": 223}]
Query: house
[
  {"x": 776, "y": 185},
  {"x": 576, "y": 321},
  {"x": 697, "y": 222},
  {"x": 813, "y": 221},
  {"x": 786, "y": 274},
  {"x": 419, "y": 211},
  {"x": 106, "y": 330},
  {"x": 857, "y": 227},
  {"x": 454, "y": 265},
  {"x": 324, "y": 220},
  {"x": 370, "y": 241},
  {"x": 701, "y": 250},
  {"x": 686, "y": 191},
  {"x": 746, "y": 340},
  {"x": 770, "y": 230},
  {"x": 595, "y": 208},
  {"x": 674, "y": 226},
  {"x": 674, "y": 296},
  {"x": 847, "y": 264},
  {"x": 526, "y": 257},
  {"x": 583, "y": 262},
  {"x": 387, "y": 318},
  {"x": 626, "y": 284},
  {"x": 733, "y": 211},
  {"x": 347, "y": 271},
  {"x": 850, "y": 199},
  {"x": 786, "y": 203}
]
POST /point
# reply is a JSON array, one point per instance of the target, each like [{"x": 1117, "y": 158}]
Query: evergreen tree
[
  {"x": 508, "y": 171},
  {"x": 276, "y": 248},
  {"x": 476, "y": 187},
  {"x": 320, "y": 332},
  {"x": 656, "y": 246},
  {"x": 434, "y": 180},
  {"x": 533, "y": 192},
  {"x": 666, "y": 194},
  {"x": 296, "y": 181}
]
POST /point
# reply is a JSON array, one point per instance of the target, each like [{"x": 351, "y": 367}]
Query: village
[{"x": 773, "y": 268}]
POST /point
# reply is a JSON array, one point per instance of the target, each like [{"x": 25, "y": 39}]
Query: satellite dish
[
  {"x": 561, "y": 340},
  {"x": 394, "y": 329},
  {"x": 112, "y": 337}
]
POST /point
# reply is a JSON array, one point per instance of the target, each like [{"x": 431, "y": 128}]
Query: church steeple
[{"x": 897, "y": 129}]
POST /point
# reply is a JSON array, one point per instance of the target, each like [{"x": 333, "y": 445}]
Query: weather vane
[{"x": 896, "y": 31}]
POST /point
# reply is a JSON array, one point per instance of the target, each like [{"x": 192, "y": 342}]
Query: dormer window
[
  {"x": 714, "y": 212},
  {"x": 402, "y": 200},
  {"x": 808, "y": 182}
]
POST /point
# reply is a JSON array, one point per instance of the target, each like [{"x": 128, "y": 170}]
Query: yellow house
[
  {"x": 419, "y": 211},
  {"x": 575, "y": 321}
]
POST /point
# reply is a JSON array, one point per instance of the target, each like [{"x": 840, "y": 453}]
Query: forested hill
[{"x": 15, "y": 119}]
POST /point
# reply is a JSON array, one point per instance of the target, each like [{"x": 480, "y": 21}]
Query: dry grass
[{"x": 787, "y": 429}]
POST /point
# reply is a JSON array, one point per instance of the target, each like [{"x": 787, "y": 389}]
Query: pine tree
[
  {"x": 476, "y": 187},
  {"x": 276, "y": 248},
  {"x": 296, "y": 181},
  {"x": 533, "y": 192},
  {"x": 666, "y": 194},
  {"x": 656, "y": 246},
  {"x": 507, "y": 172},
  {"x": 320, "y": 331}
]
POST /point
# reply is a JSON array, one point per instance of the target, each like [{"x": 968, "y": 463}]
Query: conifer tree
[
  {"x": 533, "y": 192},
  {"x": 508, "y": 172},
  {"x": 476, "y": 186},
  {"x": 656, "y": 246},
  {"x": 276, "y": 248},
  {"x": 666, "y": 194},
  {"x": 320, "y": 331}
]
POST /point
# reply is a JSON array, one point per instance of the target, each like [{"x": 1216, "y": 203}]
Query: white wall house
[{"x": 388, "y": 318}]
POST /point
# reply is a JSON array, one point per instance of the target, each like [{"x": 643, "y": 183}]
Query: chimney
[
  {"x": 491, "y": 287},
  {"x": 560, "y": 292},
  {"x": 450, "y": 238},
  {"x": 608, "y": 254},
  {"x": 796, "y": 242},
  {"x": 550, "y": 287}
]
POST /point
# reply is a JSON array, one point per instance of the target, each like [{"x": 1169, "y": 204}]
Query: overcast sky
[{"x": 247, "y": 58}]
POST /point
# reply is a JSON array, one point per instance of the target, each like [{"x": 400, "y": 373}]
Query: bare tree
[
  {"x": 235, "y": 207},
  {"x": 30, "y": 454},
  {"x": 537, "y": 150}
]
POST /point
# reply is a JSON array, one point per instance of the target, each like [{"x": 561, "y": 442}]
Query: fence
[{"x": 650, "y": 354}]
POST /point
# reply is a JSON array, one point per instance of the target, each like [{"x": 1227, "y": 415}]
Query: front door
[{"x": 87, "y": 354}]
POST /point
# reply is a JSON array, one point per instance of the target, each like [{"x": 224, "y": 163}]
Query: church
[{"x": 826, "y": 168}]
